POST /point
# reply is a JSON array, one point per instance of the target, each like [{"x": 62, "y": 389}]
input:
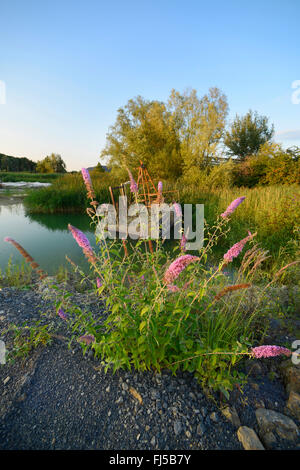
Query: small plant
[
  {"x": 15, "y": 275},
  {"x": 26, "y": 338}
]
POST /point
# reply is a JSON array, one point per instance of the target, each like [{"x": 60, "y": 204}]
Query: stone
[
  {"x": 153, "y": 441},
  {"x": 249, "y": 439},
  {"x": 214, "y": 417},
  {"x": 200, "y": 429},
  {"x": 5, "y": 381},
  {"x": 291, "y": 376},
  {"x": 231, "y": 414},
  {"x": 177, "y": 427},
  {"x": 293, "y": 404},
  {"x": 278, "y": 424}
]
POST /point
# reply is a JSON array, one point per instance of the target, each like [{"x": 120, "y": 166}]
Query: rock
[
  {"x": 214, "y": 417},
  {"x": 200, "y": 429},
  {"x": 254, "y": 385},
  {"x": 253, "y": 368},
  {"x": 291, "y": 376},
  {"x": 293, "y": 404},
  {"x": 153, "y": 441},
  {"x": 259, "y": 404},
  {"x": 231, "y": 414},
  {"x": 249, "y": 439},
  {"x": 5, "y": 381},
  {"x": 279, "y": 425},
  {"x": 177, "y": 427}
]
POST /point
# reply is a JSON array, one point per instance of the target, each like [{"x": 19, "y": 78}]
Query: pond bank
[{"x": 59, "y": 399}]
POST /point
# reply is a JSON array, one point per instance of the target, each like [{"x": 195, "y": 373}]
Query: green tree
[
  {"x": 200, "y": 123},
  {"x": 180, "y": 136},
  {"x": 144, "y": 130},
  {"x": 51, "y": 164},
  {"x": 247, "y": 134}
]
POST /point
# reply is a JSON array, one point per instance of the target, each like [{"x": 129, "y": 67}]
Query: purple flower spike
[
  {"x": 173, "y": 288},
  {"x": 177, "y": 209},
  {"x": 83, "y": 242},
  {"x": 87, "y": 339},
  {"x": 88, "y": 182},
  {"x": 62, "y": 314},
  {"x": 99, "y": 282},
  {"x": 160, "y": 187},
  {"x": 235, "y": 250},
  {"x": 231, "y": 208},
  {"x": 133, "y": 185},
  {"x": 177, "y": 266},
  {"x": 270, "y": 351}
]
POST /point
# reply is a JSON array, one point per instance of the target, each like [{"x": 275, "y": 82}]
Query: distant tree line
[
  {"x": 50, "y": 164},
  {"x": 8, "y": 163}
]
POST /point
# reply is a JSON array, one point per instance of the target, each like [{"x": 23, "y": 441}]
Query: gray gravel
[{"x": 60, "y": 399}]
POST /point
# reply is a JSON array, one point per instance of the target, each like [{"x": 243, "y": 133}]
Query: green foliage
[
  {"x": 271, "y": 165},
  {"x": 14, "y": 177},
  {"x": 51, "y": 164},
  {"x": 26, "y": 338},
  {"x": 171, "y": 139},
  {"x": 144, "y": 130},
  {"x": 247, "y": 134},
  {"x": 68, "y": 194},
  {"x": 8, "y": 163},
  {"x": 144, "y": 325},
  {"x": 16, "y": 275},
  {"x": 200, "y": 124}
]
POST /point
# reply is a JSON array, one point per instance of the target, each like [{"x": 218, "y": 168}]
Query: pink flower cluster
[
  {"x": 86, "y": 178},
  {"x": 62, "y": 314},
  {"x": 269, "y": 351},
  {"x": 177, "y": 266},
  {"x": 231, "y": 208},
  {"x": 83, "y": 242},
  {"x": 160, "y": 187},
  {"x": 235, "y": 250},
  {"x": 133, "y": 185},
  {"x": 99, "y": 282},
  {"x": 88, "y": 182},
  {"x": 177, "y": 209},
  {"x": 87, "y": 339}
]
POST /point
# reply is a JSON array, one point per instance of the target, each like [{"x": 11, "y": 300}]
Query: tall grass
[
  {"x": 15, "y": 176},
  {"x": 272, "y": 211},
  {"x": 66, "y": 194}
]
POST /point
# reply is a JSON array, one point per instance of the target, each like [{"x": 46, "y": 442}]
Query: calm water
[{"x": 44, "y": 236}]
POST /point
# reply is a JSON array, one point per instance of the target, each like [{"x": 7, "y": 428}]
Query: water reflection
[{"x": 45, "y": 236}]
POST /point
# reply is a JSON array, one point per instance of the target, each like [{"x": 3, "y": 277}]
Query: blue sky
[{"x": 69, "y": 65}]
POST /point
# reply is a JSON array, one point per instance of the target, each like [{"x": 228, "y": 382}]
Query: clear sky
[{"x": 68, "y": 66}]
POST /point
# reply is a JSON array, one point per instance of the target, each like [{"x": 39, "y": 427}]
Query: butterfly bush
[
  {"x": 133, "y": 185},
  {"x": 146, "y": 321},
  {"x": 236, "y": 249},
  {"x": 231, "y": 208},
  {"x": 269, "y": 351},
  {"x": 83, "y": 242},
  {"x": 177, "y": 267}
]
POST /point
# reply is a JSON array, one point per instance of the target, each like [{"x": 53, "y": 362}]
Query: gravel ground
[{"x": 59, "y": 399}]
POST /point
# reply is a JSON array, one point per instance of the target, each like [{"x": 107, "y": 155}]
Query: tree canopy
[
  {"x": 51, "y": 164},
  {"x": 179, "y": 136},
  {"x": 247, "y": 134}
]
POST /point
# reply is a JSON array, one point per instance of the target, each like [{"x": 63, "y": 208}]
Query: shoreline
[{"x": 60, "y": 399}]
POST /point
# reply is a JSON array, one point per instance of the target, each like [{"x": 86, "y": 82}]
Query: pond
[{"x": 44, "y": 236}]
